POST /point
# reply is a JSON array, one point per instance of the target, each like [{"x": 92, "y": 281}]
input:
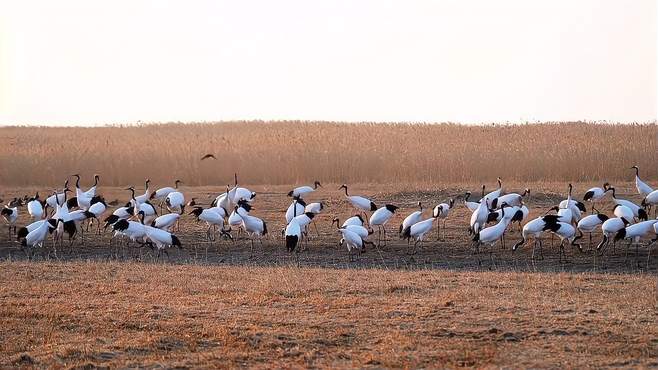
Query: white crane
[
  {"x": 490, "y": 235},
  {"x": 535, "y": 228},
  {"x": 569, "y": 211},
  {"x": 254, "y": 226},
  {"x": 638, "y": 212},
  {"x": 23, "y": 231},
  {"x": 588, "y": 224},
  {"x": 642, "y": 188},
  {"x": 297, "y": 207},
  {"x": 64, "y": 221},
  {"x": 635, "y": 232},
  {"x": 92, "y": 190},
  {"x": 35, "y": 207},
  {"x": 609, "y": 228},
  {"x": 380, "y": 218},
  {"x": 489, "y": 198},
  {"x": 624, "y": 212},
  {"x": 97, "y": 208},
  {"x": 121, "y": 213},
  {"x": 211, "y": 218},
  {"x": 293, "y": 234},
  {"x": 472, "y": 206},
  {"x": 596, "y": 194},
  {"x": 150, "y": 213},
  {"x": 566, "y": 232},
  {"x": 651, "y": 200},
  {"x": 147, "y": 194},
  {"x": 175, "y": 202},
  {"x": 512, "y": 199},
  {"x": 479, "y": 218},
  {"x": 441, "y": 211},
  {"x": 161, "y": 194},
  {"x": 315, "y": 207},
  {"x": 237, "y": 193},
  {"x": 418, "y": 231},
  {"x": 10, "y": 215},
  {"x": 359, "y": 202},
  {"x": 38, "y": 233},
  {"x": 354, "y": 220},
  {"x": 301, "y": 191},
  {"x": 82, "y": 201},
  {"x": 353, "y": 242},
  {"x": 135, "y": 231},
  {"x": 166, "y": 222},
  {"x": 223, "y": 200},
  {"x": 410, "y": 220},
  {"x": 354, "y": 227},
  {"x": 162, "y": 239}
]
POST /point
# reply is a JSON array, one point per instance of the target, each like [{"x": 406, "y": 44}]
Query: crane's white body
[
  {"x": 381, "y": 216},
  {"x": 38, "y": 234},
  {"x": 590, "y": 223},
  {"x": 352, "y": 240},
  {"x": 420, "y": 229},
  {"x": 97, "y": 208},
  {"x": 35, "y": 209},
  {"x": 175, "y": 201},
  {"x": 165, "y": 222},
  {"x": 410, "y": 220},
  {"x": 624, "y": 212},
  {"x": 295, "y": 208},
  {"x": 316, "y": 207},
  {"x": 479, "y": 217},
  {"x": 354, "y": 220},
  {"x": 302, "y": 191}
]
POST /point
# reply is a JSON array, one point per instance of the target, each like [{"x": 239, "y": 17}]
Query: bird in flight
[{"x": 208, "y": 156}]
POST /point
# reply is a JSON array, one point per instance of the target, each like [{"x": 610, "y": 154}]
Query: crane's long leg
[
  {"x": 413, "y": 250},
  {"x": 316, "y": 228},
  {"x": 649, "y": 251}
]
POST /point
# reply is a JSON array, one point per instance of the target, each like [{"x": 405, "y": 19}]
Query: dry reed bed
[
  {"x": 299, "y": 152},
  {"x": 125, "y": 314}
]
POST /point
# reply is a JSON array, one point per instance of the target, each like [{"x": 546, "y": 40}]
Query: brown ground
[
  {"x": 453, "y": 252},
  {"x": 147, "y": 315},
  {"x": 213, "y": 304}
]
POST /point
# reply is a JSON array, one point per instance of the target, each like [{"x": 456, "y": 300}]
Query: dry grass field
[
  {"x": 216, "y": 304},
  {"x": 152, "y": 315},
  {"x": 271, "y": 153}
]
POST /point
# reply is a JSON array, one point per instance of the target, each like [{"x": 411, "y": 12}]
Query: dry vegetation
[
  {"x": 123, "y": 314},
  {"x": 294, "y": 152},
  {"x": 131, "y": 314}
]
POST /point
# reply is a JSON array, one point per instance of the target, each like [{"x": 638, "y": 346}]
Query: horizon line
[{"x": 140, "y": 123}]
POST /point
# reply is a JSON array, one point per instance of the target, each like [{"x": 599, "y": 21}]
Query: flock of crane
[{"x": 142, "y": 219}]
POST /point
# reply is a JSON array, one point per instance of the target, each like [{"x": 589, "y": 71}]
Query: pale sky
[{"x": 91, "y": 62}]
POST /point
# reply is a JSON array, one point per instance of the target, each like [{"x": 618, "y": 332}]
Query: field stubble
[{"x": 134, "y": 314}]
